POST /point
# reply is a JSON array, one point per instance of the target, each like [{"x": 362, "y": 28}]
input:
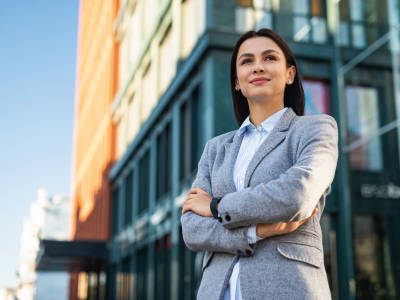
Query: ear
[
  {"x": 290, "y": 74},
  {"x": 237, "y": 84}
]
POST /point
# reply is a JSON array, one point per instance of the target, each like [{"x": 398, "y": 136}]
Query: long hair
[{"x": 294, "y": 94}]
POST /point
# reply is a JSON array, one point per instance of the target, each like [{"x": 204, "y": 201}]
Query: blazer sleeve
[
  {"x": 293, "y": 195},
  {"x": 205, "y": 233}
]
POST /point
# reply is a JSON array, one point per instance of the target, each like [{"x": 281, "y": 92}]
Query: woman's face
[{"x": 261, "y": 70}]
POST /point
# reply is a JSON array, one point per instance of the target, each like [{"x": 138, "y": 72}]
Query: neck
[{"x": 259, "y": 112}]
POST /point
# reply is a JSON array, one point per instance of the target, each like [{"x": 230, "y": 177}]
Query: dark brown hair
[{"x": 294, "y": 94}]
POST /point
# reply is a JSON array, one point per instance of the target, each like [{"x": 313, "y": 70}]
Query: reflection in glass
[
  {"x": 301, "y": 7},
  {"x": 329, "y": 246},
  {"x": 358, "y": 34},
  {"x": 356, "y": 10},
  {"x": 344, "y": 34},
  {"x": 364, "y": 20},
  {"x": 318, "y": 30},
  {"x": 373, "y": 266},
  {"x": 254, "y": 14},
  {"x": 362, "y": 120},
  {"x": 309, "y": 21},
  {"x": 317, "y": 97},
  {"x": 301, "y": 29}
]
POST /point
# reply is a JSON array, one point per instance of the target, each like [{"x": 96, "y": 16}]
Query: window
[
  {"x": 193, "y": 24},
  {"x": 142, "y": 271},
  {"x": 167, "y": 60},
  {"x": 121, "y": 135},
  {"x": 190, "y": 271},
  {"x": 254, "y": 14},
  {"x": 135, "y": 41},
  {"x": 126, "y": 280},
  {"x": 133, "y": 117},
  {"x": 150, "y": 13},
  {"x": 164, "y": 162},
  {"x": 362, "y": 120},
  {"x": 163, "y": 268},
  {"x": 317, "y": 97},
  {"x": 115, "y": 211},
  {"x": 144, "y": 182},
  {"x": 190, "y": 135},
  {"x": 149, "y": 92},
  {"x": 362, "y": 22},
  {"x": 373, "y": 240},
  {"x": 128, "y": 199},
  {"x": 309, "y": 21}
]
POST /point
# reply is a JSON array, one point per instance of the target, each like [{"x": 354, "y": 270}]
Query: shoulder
[
  {"x": 223, "y": 138},
  {"x": 316, "y": 124},
  {"x": 216, "y": 142},
  {"x": 316, "y": 119}
]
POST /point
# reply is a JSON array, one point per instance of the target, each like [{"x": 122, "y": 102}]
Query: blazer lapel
[
  {"x": 276, "y": 136},
  {"x": 231, "y": 152}
]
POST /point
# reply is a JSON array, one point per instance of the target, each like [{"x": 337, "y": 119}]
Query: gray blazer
[{"x": 289, "y": 175}]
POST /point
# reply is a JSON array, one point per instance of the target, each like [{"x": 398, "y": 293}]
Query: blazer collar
[{"x": 276, "y": 136}]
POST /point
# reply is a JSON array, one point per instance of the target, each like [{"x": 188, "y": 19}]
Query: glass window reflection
[{"x": 362, "y": 120}]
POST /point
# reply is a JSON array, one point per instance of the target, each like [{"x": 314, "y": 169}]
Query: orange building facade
[{"x": 93, "y": 145}]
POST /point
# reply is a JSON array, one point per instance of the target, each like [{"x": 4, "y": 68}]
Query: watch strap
[{"x": 213, "y": 207}]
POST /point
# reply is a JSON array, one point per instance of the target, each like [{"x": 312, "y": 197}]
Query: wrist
[
  {"x": 264, "y": 231},
  {"x": 214, "y": 206}
]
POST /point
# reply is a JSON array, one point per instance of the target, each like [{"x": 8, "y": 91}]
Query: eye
[
  {"x": 245, "y": 61},
  {"x": 270, "y": 57}
]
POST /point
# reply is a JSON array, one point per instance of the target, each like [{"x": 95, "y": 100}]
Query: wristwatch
[{"x": 213, "y": 208}]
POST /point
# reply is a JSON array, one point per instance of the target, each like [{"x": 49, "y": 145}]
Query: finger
[
  {"x": 190, "y": 197},
  {"x": 187, "y": 202},
  {"x": 197, "y": 190},
  {"x": 312, "y": 215},
  {"x": 185, "y": 208}
]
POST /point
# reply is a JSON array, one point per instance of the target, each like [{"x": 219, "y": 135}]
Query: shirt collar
[{"x": 267, "y": 125}]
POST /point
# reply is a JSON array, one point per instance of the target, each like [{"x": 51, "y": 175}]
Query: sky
[{"x": 38, "y": 41}]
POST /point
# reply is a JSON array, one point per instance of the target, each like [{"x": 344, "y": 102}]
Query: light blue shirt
[{"x": 253, "y": 138}]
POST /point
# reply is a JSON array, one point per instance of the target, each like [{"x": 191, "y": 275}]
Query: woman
[{"x": 260, "y": 191}]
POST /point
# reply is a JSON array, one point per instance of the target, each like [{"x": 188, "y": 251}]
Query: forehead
[{"x": 258, "y": 44}]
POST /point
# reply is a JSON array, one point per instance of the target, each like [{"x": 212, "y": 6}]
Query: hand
[
  {"x": 265, "y": 230},
  {"x": 198, "y": 201}
]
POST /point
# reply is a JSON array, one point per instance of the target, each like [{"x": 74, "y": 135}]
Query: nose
[{"x": 258, "y": 68}]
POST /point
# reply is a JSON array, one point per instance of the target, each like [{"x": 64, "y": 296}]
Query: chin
[{"x": 258, "y": 98}]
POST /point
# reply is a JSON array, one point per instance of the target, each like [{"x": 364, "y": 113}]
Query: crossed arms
[{"x": 287, "y": 199}]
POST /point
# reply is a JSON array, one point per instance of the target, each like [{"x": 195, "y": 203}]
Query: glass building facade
[{"x": 174, "y": 95}]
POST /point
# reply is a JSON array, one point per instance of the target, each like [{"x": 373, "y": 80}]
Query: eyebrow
[{"x": 262, "y": 54}]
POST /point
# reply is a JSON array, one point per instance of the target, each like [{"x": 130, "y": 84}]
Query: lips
[{"x": 259, "y": 80}]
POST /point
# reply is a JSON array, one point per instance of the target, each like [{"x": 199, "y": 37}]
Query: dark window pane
[
  {"x": 162, "y": 268},
  {"x": 196, "y": 143},
  {"x": 128, "y": 199},
  {"x": 144, "y": 183},
  {"x": 164, "y": 156},
  {"x": 189, "y": 273},
  {"x": 185, "y": 140},
  {"x": 141, "y": 262},
  {"x": 374, "y": 261},
  {"x": 115, "y": 211},
  {"x": 127, "y": 279}
]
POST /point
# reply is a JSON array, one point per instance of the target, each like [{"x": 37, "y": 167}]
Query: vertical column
[
  {"x": 393, "y": 13},
  {"x": 208, "y": 101},
  {"x": 175, "y": 217},
  {"x": 344, "y": 235},
  {"x": 152, "y": 205}
]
